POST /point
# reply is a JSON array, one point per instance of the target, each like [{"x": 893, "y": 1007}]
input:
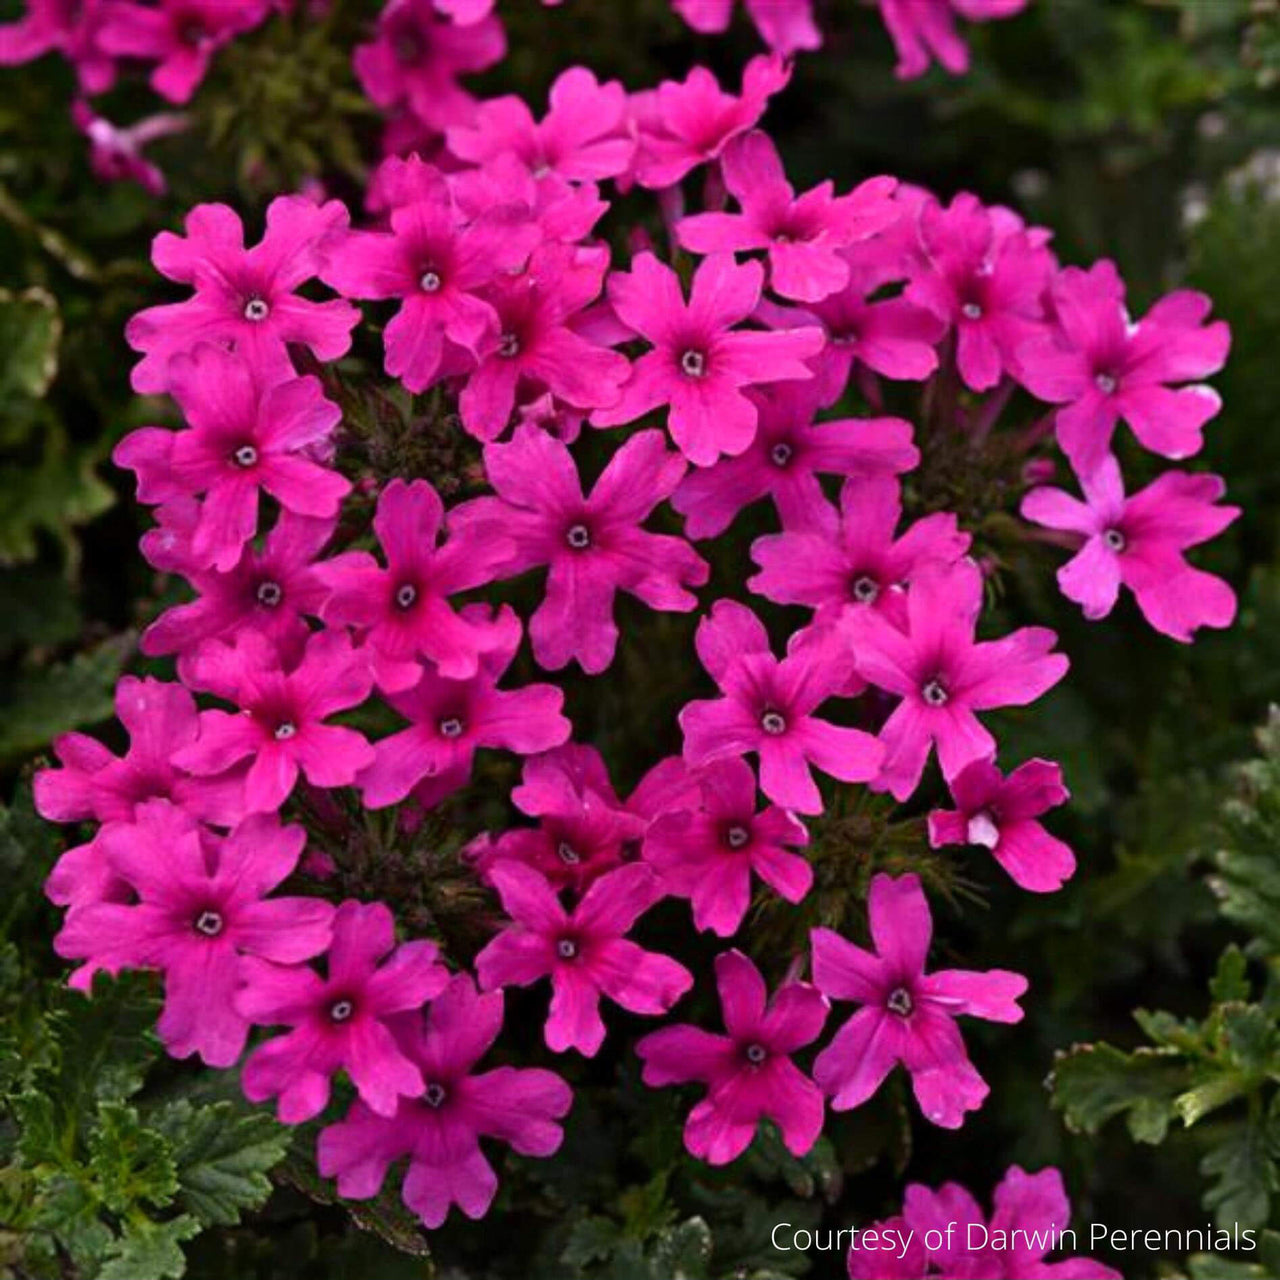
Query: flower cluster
[
  {"x": 944, "y": 1234},
  {"x": 744, "y": 385}
]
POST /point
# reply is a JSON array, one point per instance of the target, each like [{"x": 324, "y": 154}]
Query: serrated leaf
[
  {"x": 222, "y": 1157},
  {"x": 130, "y": 1163},
  {"x": 1244, "y": 1174},
  {"x": 150, "y": 1251},
  {"x": 1093, "y": 1083},
  {"x": 71, "y": 1214},
  {"x": 591, "y": 1240},
  {"x": 684, "y": 1251},
  {"x": 40, "y": 704},
  {"x": 30, "y": 331},
  {"x": 1229, "y": 981}
]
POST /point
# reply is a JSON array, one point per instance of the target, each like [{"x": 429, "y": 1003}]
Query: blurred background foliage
[{"x": 1145, "y": 132}]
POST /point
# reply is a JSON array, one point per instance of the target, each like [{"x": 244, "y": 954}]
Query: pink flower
[
  {"x": 93, "y": 783},
  {"x": 1101, "y": 367},
  {"x": 944, "y": 675},
  {"x": 1000, "y": 813},
  {"x": 583, "y": 137},
  {"x": 784, "y": 459},
  {"x": 908, "y": 1016},
  {"x": 535, "y": 345},
  {"x": 437, "y": 262},
  {"x": 1139, "y": 542},
  {"x": 403, "y": 611},
  {"x": 891, "y": 336},
  {"x": 339, "y": 1022},
  {"x": 985, "y": 277},
  {"x": 925, "y": 29},
  {"x": 242, "y": 438},
  {"x": 450, "y": 719},
  {"x": 181, "y": 36},
  {"x": 592, "y": 546},
  {"x": 584, "y": 829},
  {"x": 583, "y": 952},
  {"x": 707, "y": 855},
  {"x": 416, "y": 57},
  {"x": 279, "y": 720},
  {"x": 687, "y": 123},
  {"x": 700, "y": 363},
  {"x": 854, "y": 560},
  {"x": 72, "y": 28},
  {"x": 786, "y": 26},
  {"x": 1031, "y": 1215},
  {"x": 768, "y": 707},
  {"x": 440, "y": 1130},
  {"x": 269, "y": 590},
  {"x": 748, "y": 1073},
  {"x": 244, "y": 299},
  {"x": 803, "y": 237},
  {"x": 201, "y": 905},
  {"x": 116, "y": 154}
]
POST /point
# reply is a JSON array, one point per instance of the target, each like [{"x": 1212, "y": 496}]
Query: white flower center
[
  {"x": 971, "y": 311},
  {"x": 406, "y": 595},
  {"x": 567, "y": 854},
  {"x": 209, "y": 923},
  {"x": 737, "y": 836},
  {"x": 899, "y": 1002},
  {"x": 578, "y": 537},
  {"x": 866, "y": 589},
  {"x": 935, "y": 694},
  {"x": 256, "y": 310},
  {"x": 245, "y": 456},
  {"x": 781, "y": 454},
  {"x": 694, "y": 363},
  {"x": 434, "y": 1095},
  {"x": 773, "y": 723},
  {"x": 508, "y": 346},
  {"x": 983, "y": 830},
  {"x": 285, "y": 730},
  {"x": 1105, "y": 383},
  {"x": 1114, "y": 540},
  {"x": 269, "y": 594},
  {"x": 566, "y": 949},
  {"x": 756, "y": 1054},
  {"x": 450, "y": 727},
  {"x": 430, "y": 282},
  {"x": 341, "y": 1010}
]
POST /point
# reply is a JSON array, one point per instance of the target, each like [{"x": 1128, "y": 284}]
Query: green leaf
[
  {"x": 683, "y": 1252},
  {"x": 150, "y": 1250},
  {"x": 30, "y": 331},
  {"x": 1229, "y": 981},
  {"x": 131, "y": 1164},
  {"x": 1245, "y": 1175},
  {"x": 42, "y": 703},
  {"x": 222, "y": 1157},
  {"x": 1092, "y": 1083},
  {"x": 591, "y": 1240},
  {"x": 68, "y": 1211}
]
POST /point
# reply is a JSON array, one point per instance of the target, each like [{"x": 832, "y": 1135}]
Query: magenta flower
[
  {"x": 985, "y": 277},
  {"x": 748, "y": 1072},
  {"x": 700, "y": 363},
  {"x": 891, "y": 336},
  {"x": 1000, "y": 814},
  {"x": 768, "y": 707},
  {"x": 583, "y": 137},
  {"x": 922, "y": 30},
  {"x": 686, "y": 123},
  {"x": 708, "y": 855},
  {"x": 242, "y": 439},
  {"x": 437, "y": 263},
  {"x": 339, "y": 1022},
  {"x": 200, "y": 906},
  {"x": 269, "y": 590},
  {"x": 1102, "y": 367},
  {"x": 244, "y": 299},
  {"x": 280, "y": 718},
  {"x": 583, "y": 831},
  {"x": 803, "y": 237},
  {"x": 593, "y": 546},
  {"x": 907, "y": 1016},
  {"x": 786, "y": 26},
  {"x": 72, "y": 28},
  {"x": 944, "y": 675},
  {"x": 1031, "y": 1215},
  {"x": 440, "y": 1130},
  {"x": 584, "y": 952},
  {"x": 95, "y": 784},
  {"x": 403, "y": 610},
  {"x": 784, "y": 459},
  {"x": 180, "y": 36},
  {"x": 535, "y": 346},
  {"x": 855, "y": 561},
  {"x": 450, "y": 719},
  {"x": 116, "y": 154},
  {"x": 1139, "y": 542},
  {"x": 416, "y": 57}
]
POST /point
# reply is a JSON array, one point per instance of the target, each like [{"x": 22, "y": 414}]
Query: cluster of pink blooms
[
  {"x": 944, "y": 1235},
  {"x": 499, "y": 298},
  {"x": 412, "y": 67}
]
